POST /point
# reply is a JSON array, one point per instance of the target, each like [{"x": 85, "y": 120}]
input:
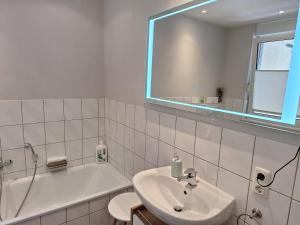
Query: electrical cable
[
  {"x": 245, "y": 214},
  {"x": 258, "y": 178}
]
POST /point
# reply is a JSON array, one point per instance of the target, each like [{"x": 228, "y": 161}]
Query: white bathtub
[{"x": 59, "y": 190}]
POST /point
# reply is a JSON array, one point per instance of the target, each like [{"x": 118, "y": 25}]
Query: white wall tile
[
  {"x": 129, "y": 159},
  {"x": 151, "y": 150},
  {"x": 296, "y": 194},
  {"x": 167, "y": 128},
  {"x": 165, "y": 155},
  {"x": 208, "y": 140},
  {"x": 206, "y": 170},
  {"x": 232, "y": 221},
  {"x": 55, "y": 150},
  {"x": 99, "y": 203},
  {"x": 237, "y": 152},
  {"x": 187, "y": 159},
  {"x": 89, "y": 147},
  {"x": 14, "y": 175},
  {"x": 77, "y": 211},
  {"x": 130, "y": 111},
  {"x": 41, "y": 151},
  {"x": 73, "y": 130},
  {"x": 89, "y": 108},
  {"x": 10, "y": 113},
  {"x": 90, "y": 128},
  {"x": 35, "y": 134},
  {"x": 120, "y": 158},
  {"x": 139, "y": 144},
  {"x": 120, "y": 133},
  {"x": 89, "y": 160},
  {"x": 138, "y": 165},
  {"x": 18, "y": 158},
  {"x": 294, "y": 218},
  {"x": 272, "y": 155},
  {"x": 101, "y": 127},
  {"x": 72, "y": 109},
  {"x": 107, "y": 130},
  {"x": 55, "y": 218},
  {"x": 55, "y": 132},
  {"x": 53, "y": 109},
  {"x": 35, "y": 221},
  {"x": 121, "y": 112},
  {"x": 33, "y": 111},
  {"x": 106, "y": 107},
  {"x": 140, "y": 119},
  {"x": 129, "y": 138},
  {"x": 99, "y": 217},
  {"x": 11, "y": 137},
  {"x": 80, "y": 221},
  {"x": 101, "y": 105},
  {"x": 236, "y": 186},
  {"x": 185, "y": 135},
  {"x": 74, "y": 150},
  {"x": 113, "y": 130},
  {"x": 152, "y": 128},
  {"x": 275, "y": 208},
  {"x": 113, "y": 110}
]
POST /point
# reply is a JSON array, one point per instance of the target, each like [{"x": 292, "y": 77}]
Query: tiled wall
[
  {"x": 55, "y": 127},
  {"x": 140, "y": 138}
]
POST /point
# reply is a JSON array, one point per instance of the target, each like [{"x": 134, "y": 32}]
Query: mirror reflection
[{"x": 230, "y": 54}]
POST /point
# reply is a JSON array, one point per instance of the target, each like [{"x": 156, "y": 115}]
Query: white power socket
[{"x": 256, "y": 188}]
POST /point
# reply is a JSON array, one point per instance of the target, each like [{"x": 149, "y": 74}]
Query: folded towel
[
  {"x": 56, "y": 159},
  {"x": 57, "y": 162}
]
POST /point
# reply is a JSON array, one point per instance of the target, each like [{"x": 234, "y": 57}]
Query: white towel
[{"x": 56, "y": 159}]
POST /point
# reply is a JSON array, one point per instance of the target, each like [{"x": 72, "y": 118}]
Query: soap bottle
[
  {"x": 176, "y": 167},
  {"x": 101, "y": 152}
]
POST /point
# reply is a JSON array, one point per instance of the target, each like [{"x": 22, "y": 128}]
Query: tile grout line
[{"x": 293, "y": 189}]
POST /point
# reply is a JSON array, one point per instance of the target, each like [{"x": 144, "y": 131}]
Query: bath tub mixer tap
[
  {"x": 35, "y": 156},
  {"x": 5, "y": 163}
]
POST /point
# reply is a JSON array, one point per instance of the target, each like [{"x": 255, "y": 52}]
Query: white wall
[
  {"x": 237, "y": 60},
  {"x": 188, "y": 57},
  {"x": 51, "y": 48},
  {"x": 125, "y": 50}
]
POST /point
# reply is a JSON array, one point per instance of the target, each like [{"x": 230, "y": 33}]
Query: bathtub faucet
[
  {"x": 34, "y": 155},
  {"x": 5, "y": 163}
]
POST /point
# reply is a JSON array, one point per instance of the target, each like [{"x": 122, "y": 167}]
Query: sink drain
[{"x": 178, "y": 208}]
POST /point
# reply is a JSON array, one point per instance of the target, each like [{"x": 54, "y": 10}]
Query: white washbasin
[{"x": 203, "y": 205}]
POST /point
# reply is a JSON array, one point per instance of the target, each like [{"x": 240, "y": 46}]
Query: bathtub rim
[{"x": 126, "y": 184}]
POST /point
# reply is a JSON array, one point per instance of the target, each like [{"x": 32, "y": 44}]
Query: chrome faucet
[
  {"x": 190, "y": 177},
  {"x": 5, "y": 163}
]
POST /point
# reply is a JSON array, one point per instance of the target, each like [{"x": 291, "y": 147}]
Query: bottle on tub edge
[{"x": 101, "y": 152}]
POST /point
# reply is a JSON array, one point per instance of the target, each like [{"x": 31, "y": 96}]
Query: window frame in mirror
[{"x": 292, "y": 93}]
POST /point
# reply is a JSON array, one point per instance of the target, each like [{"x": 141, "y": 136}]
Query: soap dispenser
[
  {"x": 101, "y": 152},
  {"x": 176, "y": 167}
]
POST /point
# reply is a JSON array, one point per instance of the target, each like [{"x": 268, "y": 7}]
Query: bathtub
[{"x": 59, "y": 190}]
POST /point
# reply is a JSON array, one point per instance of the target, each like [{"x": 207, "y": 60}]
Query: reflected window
[{"x": 275, "y": 55}]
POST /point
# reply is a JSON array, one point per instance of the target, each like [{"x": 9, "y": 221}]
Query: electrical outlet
[{"x": 256, "y": 188}]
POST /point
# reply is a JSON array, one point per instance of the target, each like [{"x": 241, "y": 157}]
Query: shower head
[{"x": 34, "y": 155}]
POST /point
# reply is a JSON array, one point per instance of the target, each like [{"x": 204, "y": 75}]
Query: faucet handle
[{"x": 191, "y": 172}]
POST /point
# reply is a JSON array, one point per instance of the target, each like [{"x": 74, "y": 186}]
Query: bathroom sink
[{"x": 177, "y": 203}]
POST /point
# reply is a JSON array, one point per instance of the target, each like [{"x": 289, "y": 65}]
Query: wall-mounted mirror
[{"x": 239, "y": 58}]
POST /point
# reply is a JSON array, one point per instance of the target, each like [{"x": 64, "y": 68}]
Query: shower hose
[
  {"x": 28, "y": 190},
  {"x": 26, "y": 195}
]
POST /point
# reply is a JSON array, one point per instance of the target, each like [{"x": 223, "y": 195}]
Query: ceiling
[{"x": 231, "y": 13}]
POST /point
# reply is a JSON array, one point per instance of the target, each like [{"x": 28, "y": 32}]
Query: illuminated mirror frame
[{"x": 292, "y": 93}]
